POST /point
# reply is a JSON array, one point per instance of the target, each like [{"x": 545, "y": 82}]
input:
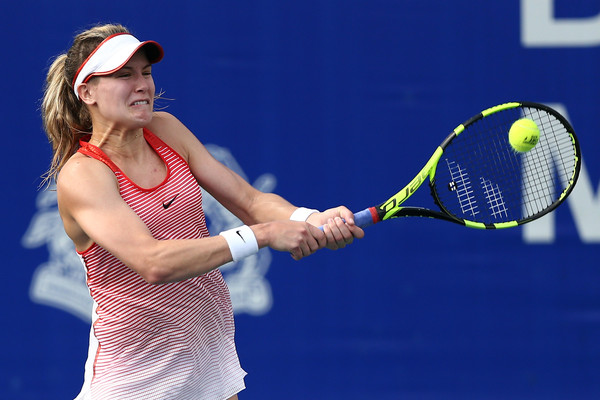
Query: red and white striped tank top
[{"x": 171, "y": 341}]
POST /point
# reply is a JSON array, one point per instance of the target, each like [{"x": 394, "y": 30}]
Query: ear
[{"x": 85, "y": 91}]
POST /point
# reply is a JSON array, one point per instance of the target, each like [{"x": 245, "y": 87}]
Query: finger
[
  {"x": 345, "y": 234},
  {"x": 357, "y": 232},
  {"x": 328, "y": 234},
  {"x": 300, "y": 251},
  {"x": 319, "y": 236},
  {"x": 317, "y": 241},
  {"x": 295, "y": 255},
  {"x": 336, "y": 237},
  {"x": 306, "y": 247},
  {"x": 346, "y": 215},
  {"x": 338, "y": 229}
]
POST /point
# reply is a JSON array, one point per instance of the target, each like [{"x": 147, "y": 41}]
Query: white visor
[{"x": 112, "y": 54}]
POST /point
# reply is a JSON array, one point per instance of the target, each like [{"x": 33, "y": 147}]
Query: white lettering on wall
[{"x": 540, "y": 28}]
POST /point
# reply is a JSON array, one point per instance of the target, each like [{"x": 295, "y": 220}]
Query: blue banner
[{"x": 326, "y": 103}]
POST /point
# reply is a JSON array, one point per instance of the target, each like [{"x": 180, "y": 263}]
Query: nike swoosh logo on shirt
[{"x": 168, "y": 204}]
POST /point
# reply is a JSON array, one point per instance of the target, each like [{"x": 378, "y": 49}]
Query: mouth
[{"x": 140, "y": 103}]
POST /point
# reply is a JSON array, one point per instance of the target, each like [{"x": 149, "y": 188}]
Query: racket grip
[{"x": 363, "y": 218}]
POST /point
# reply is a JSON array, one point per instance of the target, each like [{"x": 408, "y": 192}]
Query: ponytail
[{"x": 65, "y": 118}]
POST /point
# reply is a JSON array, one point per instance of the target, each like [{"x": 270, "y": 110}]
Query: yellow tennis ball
[{"x": 523, "y": 135}]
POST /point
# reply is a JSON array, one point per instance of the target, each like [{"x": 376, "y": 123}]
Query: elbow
[
  {"x": 158, "y": 275},
  {"x": 153, "y": 271},
  {"x": 155, "y": 278}
]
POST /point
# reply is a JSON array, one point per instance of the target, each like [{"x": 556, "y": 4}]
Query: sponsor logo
[
  {"x": 240, "y": 235},
  {"x": 168, "y": 203}
]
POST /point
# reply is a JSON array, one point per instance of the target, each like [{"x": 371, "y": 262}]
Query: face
[{"x": 124, "y": 99}]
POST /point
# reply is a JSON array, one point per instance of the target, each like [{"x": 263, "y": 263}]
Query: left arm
[{"x": 238, "y": 196}]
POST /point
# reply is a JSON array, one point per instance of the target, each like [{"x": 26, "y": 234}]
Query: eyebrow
[{"x": 144, "y": 67}]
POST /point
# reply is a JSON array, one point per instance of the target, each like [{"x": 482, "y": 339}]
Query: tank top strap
[
  {"x": 95, "y": 152},
  {"x": 154, "y": 140}
]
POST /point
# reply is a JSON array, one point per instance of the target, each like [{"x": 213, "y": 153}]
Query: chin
[{"x": 143, "y": 120}]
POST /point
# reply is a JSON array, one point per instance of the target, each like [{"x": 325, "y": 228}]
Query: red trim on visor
[
  {"x": 154, "y": 60},
  {"x": 92, "y": 53}
]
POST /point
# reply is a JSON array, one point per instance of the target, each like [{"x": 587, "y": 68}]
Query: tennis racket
[{"x": 478, "y": 180}]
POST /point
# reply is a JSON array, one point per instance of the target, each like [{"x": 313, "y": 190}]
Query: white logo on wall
[
  {"x": 250, "y": 291},
  {"x": 60, "y": 281}
]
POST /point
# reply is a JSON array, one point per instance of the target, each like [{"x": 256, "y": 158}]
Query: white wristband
[
  {"x": 242, "y": 242},
  {"x": 302, "y": 214}
]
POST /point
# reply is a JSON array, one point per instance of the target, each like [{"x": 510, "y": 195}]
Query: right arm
[{"x": 94, "y": 212}]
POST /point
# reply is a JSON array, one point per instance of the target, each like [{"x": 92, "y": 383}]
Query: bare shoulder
[
  {"x": 84, "y": 178},
  {"x": 164, "y": 120},
  {"x": 82, "y": 168},
  {"x": 83, "y": 184},
  {"x": 173, "y": 132},
  {"x": 205, "y": 168}
]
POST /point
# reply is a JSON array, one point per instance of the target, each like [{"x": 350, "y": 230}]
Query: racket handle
[{"x": 362, "y": 219}]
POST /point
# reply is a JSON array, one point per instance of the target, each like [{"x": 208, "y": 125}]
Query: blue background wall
[{"x": 336, "y": 102}]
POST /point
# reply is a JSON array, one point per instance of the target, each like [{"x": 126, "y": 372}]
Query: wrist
[
  {"x": 241, "y": 241},
  {"x": 302, "y": 214}
]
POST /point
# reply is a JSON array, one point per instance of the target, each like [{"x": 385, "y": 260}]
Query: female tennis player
[{"x": 129, "y": 196}]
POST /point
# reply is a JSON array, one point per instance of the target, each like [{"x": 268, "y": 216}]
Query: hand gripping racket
[{"x": 478, "y": 180}]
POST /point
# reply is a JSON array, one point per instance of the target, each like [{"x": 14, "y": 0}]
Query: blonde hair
[{"x": 65, "y": 118}]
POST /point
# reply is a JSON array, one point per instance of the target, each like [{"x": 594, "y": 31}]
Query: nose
[{"x": 143, "y": 83}]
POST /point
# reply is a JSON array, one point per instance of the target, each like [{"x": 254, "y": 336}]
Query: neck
[{"x": 120, "y": 143}]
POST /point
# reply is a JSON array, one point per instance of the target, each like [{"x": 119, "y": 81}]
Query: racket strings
[
  {"x": 495, "y": 199},
  {"x": 461, "y": 183},
  {"x": 505, "y": 185},
  {"x": 549, "y": 167},
  {"x": 538, "y": 182}
]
